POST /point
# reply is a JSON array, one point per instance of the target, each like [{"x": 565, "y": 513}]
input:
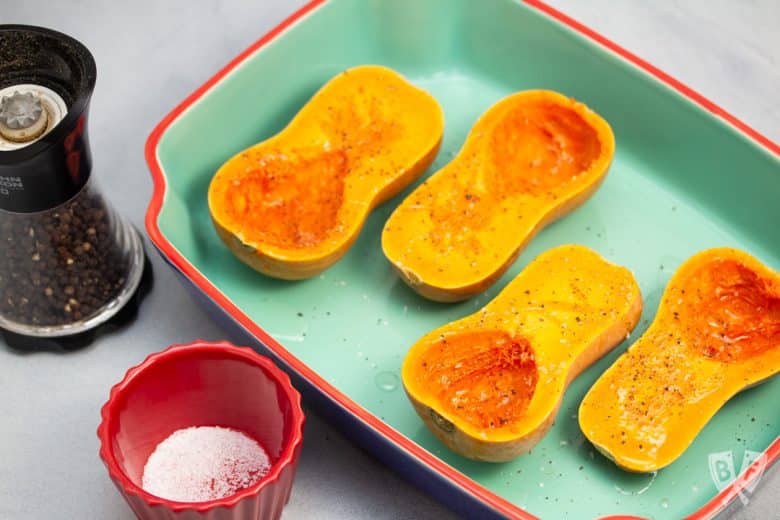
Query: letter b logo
[
  {"x": 722, "y": 468},
  {"x": 724, "y": 472}
]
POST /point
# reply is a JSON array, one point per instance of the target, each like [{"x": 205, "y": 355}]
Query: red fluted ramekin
[{"x": 202, "y": 384}]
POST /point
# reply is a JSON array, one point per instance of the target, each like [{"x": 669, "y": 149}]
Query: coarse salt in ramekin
[{"x": 203, "y": 384}]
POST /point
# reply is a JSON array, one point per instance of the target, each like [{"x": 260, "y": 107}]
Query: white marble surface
[{"x": 150, "y": 55}]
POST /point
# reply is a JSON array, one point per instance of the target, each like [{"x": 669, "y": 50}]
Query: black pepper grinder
[{"x": 68, "y": 264}]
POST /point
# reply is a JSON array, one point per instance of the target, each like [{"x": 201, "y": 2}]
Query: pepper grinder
[{"x": 70, "y": 264}]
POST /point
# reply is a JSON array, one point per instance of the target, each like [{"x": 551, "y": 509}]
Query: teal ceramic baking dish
[{"x": 686, "y": 176}]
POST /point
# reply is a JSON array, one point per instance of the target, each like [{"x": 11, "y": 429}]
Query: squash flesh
[
  {"x": 292, "y": 205},
  {"x": 566, "y": 309},
  {"x": 717, "y": 331},
  {"x": 271, "y": 204},
  {"x": 735, "y": 314},
  {"x": 538, "y": 148},
  {"x": 529, "y": 159},
  {"x": 484, "y": 378}
]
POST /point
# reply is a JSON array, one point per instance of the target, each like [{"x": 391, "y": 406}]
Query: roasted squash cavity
[
  {"x": 293, "y": 204},
  {"x": 489, "y": 385},
  {"x": 531, "y": 158},
  {"x": 716, "y": 332}
]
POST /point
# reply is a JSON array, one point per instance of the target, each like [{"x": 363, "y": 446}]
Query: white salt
[{"x": 204, "y": 463}]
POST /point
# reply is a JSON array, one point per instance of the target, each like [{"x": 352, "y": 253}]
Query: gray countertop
[{"x": 152, "y": 54}]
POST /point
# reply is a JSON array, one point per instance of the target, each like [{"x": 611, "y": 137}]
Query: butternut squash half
[
  {"x": 489, "y": 385},
  {"x": 717, "y": 332},
  {"x": 292, "y": 205},
  {"x": 531, "y": 158}
]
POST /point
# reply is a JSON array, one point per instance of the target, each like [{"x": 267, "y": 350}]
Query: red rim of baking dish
[
  {"x": 287, "y": 456},
  {"x": 456, "y": 478}
]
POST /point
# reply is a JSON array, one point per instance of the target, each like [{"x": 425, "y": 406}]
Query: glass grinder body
[{"x": 68, "y": 263}]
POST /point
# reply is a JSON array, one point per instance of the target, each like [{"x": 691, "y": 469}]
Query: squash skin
[
  {"x": 664, "y": 387},
  {"x": 472, "y": 257},
  {"x": 383, "y": 132},
  {"x": 571, "y": 306}
]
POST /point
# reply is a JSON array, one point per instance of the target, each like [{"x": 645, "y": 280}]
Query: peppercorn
[{"x": 60, "y": 266}]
